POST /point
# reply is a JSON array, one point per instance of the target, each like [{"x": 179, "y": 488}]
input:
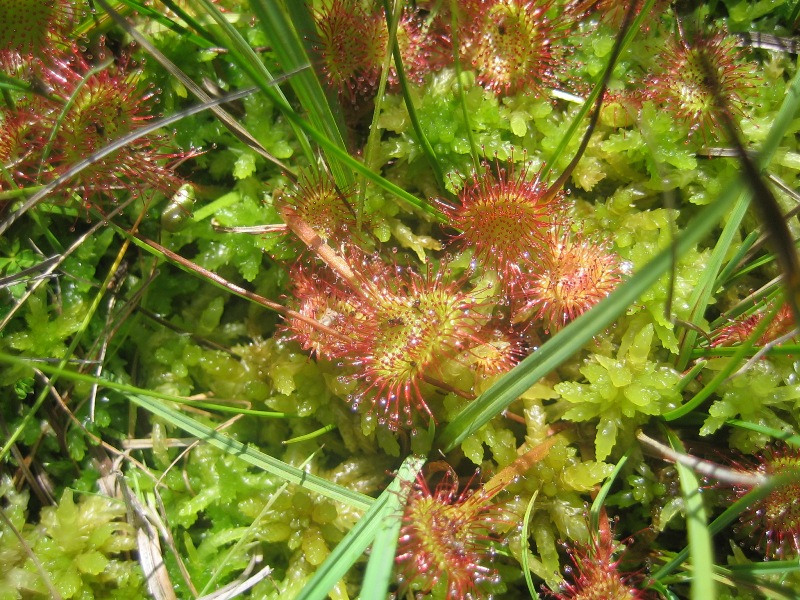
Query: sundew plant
[{"x": 366, "y": 299}]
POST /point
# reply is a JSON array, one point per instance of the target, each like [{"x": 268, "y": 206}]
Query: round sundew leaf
[{"x": 26, "y": 26}]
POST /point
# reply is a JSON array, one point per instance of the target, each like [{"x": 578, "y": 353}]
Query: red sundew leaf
[
  {"x": 444, "y": 537},
  {"x": 511, "y": 44},
  {"x": 681, "y": 87},
  {"x": 773, "y": 523},
  {"x": 572, "y": 275},
  {"x": 597, "y": 574},
  {"x": 419, "y": 322},
  {"x": 393, "y": 329},
  {"x": 505, "y": 218},
  {"x": 739, "y": 330},
  {"x": 32, "y": 29},
  {"x": 318, "y": 202},
  {"x": 352, "y": 43},
  {"x": 104, "y": 105}
]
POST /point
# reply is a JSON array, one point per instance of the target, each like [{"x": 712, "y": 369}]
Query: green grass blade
[
  {"x": 569, "y": 340},
  {"x": 780, "y": 350},
  {"x": 766, "y": 568},
  {"x": 795, "y": 12},
  {"x": 706, "y": 287},
  {"x": 353, "y": 545},
  {"x": 430, "y": 154},
  {"x": 590, "y": 100},
  {"x": 310, "y": 436},
  {"x": 189, "y": 19},
  {"x": 526, "y": 523},
  {"x": 733, "y": 364},
  {"x": 752, "y": 265},
  {"x": 418, "y": 203},
  {"x": 727, "y": 273},
  {"x": 700, "y": 549},
  {"x": 7, "y": 82},
  {"x": 605, "y": 490},
  {"x": 381, "y": 561},
  {"x": 301, "y": 16},
  {"x": 62, "y": 371},
  {"x": 753, "y": 580},
  {"x": 251, "y": 455},
  {"x": 280, "y": 30},
  {"x": 664, "y": 591},
  {"x": 788, "y": 477},
  {"x": 159, "y": 17},
  {"x": 334, "y": 150},
  {"x": 243, "y": 55},
  {"x": 238, "y": 410},
  {"x": 792, "y": 440}
]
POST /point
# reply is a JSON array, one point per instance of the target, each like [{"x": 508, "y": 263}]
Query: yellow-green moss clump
[{"x": 81, "y": 548}]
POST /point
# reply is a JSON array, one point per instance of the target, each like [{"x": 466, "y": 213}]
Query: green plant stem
[
  {"x": 462, "y": 98},
  {"x": 702, "y": 582},
  {"x": 605, "y": 490},
  {"x": 790, "y": 476},
  {"x": 595, "y": 93},
  {"x": 372, "y": 147},
  {"x": 352, "y": 547},
  {"x": 703, "y": 291},
  {"x": 252, "y": 455},
  {"x": 732, "y": 365},
  {"x": 56, "y": 371},
  {"x": 526, "y": 522},
  {"x": 427, "y": 149},
  {"x": 323, "y": 111}
]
